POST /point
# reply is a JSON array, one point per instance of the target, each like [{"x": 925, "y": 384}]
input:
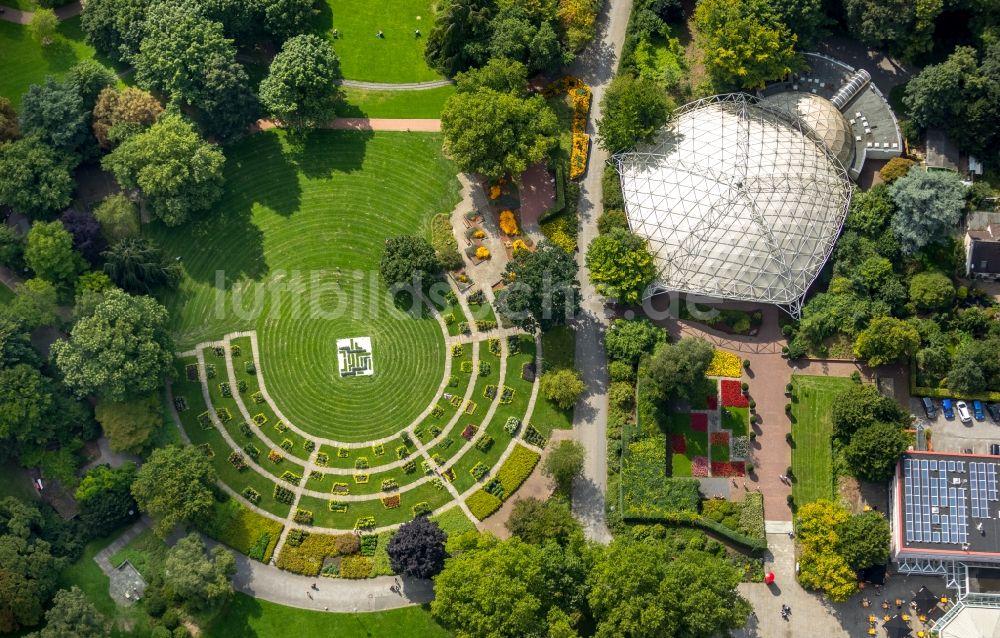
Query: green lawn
[
  {"x": 146, "y": 552},
  {"x": 403, "y": 104},
  {"x": 558, "y": 351},
  {"x": 812, "y": 431},
  {"x": 14, "y": 481},
  {"x": 736, "y": 420},
  {"x": 247, "y": 617},
  {"x": 24, "y": 61},
  {"x": 296, "y": 241},
  {"x": 397, "y": 57}
]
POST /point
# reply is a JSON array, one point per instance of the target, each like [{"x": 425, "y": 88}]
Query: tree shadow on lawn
[
  {"x": 319, "y": 154},
  {"x": 59, "y": 55}
]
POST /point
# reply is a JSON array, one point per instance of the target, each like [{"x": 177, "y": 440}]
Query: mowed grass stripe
[
  {"x": 812, "y": 433},
  {"x": 294, "y": 224}
]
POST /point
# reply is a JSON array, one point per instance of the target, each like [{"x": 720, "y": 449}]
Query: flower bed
[
  {"x": 469, "y": 432},
  {"x": 719, "y": 438},
  {"x": 287, "y": 444},
  {"x": 303, "y": 517},
  {"x": 274, "y": 456},
  {"x": 260, "y": 419},
  {"x": 482, "y": 504},
  {"x": 257, "y": 397},
  {"x": 741, "y": 447},
  {"x": 207, "y": 450},
  {"x": 338, "y": 507},
  {"x": 191, "y": 372},
  {"x": 402, "y": 452},
  {"x": 280, "y": 427},
  {"x": 224, "y": 415},
  {"x": 732, "y": 394},
  {"x": 578, "y": 155},
  {"x": 241, "y": 528},
  {"x": 508, "y": 223},
  {"x": 484, "y": 443},
  {"x": 252, "y": 450},
  {"x": 678, "y": 443},
  {"x": 283, "y": 494},
  {"x": 699, "y": 422},
  {"x": 389, "y": 484},
  {"x": 725, "y": 364},
  {"x": 533, "y": 436},
  {"x": 391, "y": 502},
  {"x": 251, "y": 495},
  {"x": 479, "y": 470},
  {"x": 291, "y": 477},
  {"x": 512, "y": 424},
  {"x": 365, "y": 522},
  {"x": 421, "y": 509},
  {"x": 322, "y": 459},
  {"x": 699, "y": 466},
  {"x": 361, "y": 478},
  {"x": 728, "y": 468},
  {"x": 517, "y": 468},
  {"x": 712, "y": 401},
  {"x": 340, "y": 488},
  {"x": 236, "y": 460}
]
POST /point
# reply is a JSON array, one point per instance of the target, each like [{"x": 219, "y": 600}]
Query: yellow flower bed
[
  {"x": 508, "y": 223},
  {"x": 495, "y": 191},
  {"x": 578, "y": 156},
  {"x": 518, "y": 245},
  {"x": 725, "y": 364},
  {"x": 482, "y": 252}
]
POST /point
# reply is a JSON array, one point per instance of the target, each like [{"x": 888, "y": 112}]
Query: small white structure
[{"x": 354, "y": 357}]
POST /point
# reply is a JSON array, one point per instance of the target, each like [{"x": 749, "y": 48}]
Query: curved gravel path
[{"x": 403, "y": 86}]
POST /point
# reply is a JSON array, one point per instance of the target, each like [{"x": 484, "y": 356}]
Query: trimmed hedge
[
  {"x": 945, "y": 393},
  {"x": 307, "y": 558},
  {"x": 242, "y": 529},
  {"x": 356, "y": 567},
  {"x": 443, "y": 240},
  {"x": 482, "y": 504},
  {"x": 516, "y": 469}
]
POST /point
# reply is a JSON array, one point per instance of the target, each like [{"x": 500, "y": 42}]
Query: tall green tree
[
  {"x": 526, "y": 36},
  {"x": 458, "y": 39},
  {"x": 874, "y": 450},
  {"x": 55, "y": 112},
  {"x": 627, "y": 340},
  {"x": 105, "y": 498},
  {"x": 35, "y": 303},
  {"x": 49, "y": 253},
  {"x": 30, "y": 571},
  {"x": 8, "y": 121},
  {"x": 886, "y": 340},
  {"x": 928, "y": 206},
  {"x": 745, "y": 43},
  {"x": 129, "y": 425},
  {"x": 176, "y": 171},
  {"x": 115, "y": 27},
  {"x": 118, "y": 218},
  {"x": 34, "y": 178},
  {"x": 679, "y": 369},
  {"x": 174, "y": 486},
  {"x": 542, "y": 287},
  {"x": 564, "y": 463},
  {"x": 138, "y": 266},
  {"x": 198, "y": 580},
  {"x": 563, "y": 387},
  {"x": 536, "y": 521},
  {"x": 43, "y": 26},
  {"x": 931, "y": 291},
  {"x": 300, "y": 89},
  {"x": 620, "y": 265},
  {"x": 860, "y": 406},
  {"x": 805, "y": 18},
  {"x": 864, "y": 540},
  {"x": 121, "y": 350},
  {"x": 907, "y": 26},
  {"x": 26, "y": 402},
  {"x": 72, "y": 615},
  {"x": 632, "y": 111},
  {"x": 285, "y": 18},
  {"x": 407, "y": 258},
  {"x": 119, "y": 115}
]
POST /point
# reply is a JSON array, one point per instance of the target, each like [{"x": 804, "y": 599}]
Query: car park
[
  {"x": 977, "y": 410},
  {"x": 994, "y": 410},
  {"x": 946, "y": 407},
  {"x": 963, "y": 412},
  {"x": 929, "y": 408}
]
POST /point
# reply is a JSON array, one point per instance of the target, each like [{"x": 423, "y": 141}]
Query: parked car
[
  {"x": 995, "y": 449},
  {"x": 977, "y": 410},
  {"x": 994, "y": 410},
  {"x": 963, "y": 412},
  {"x": 946, "y": 408},
  {"x": 929, "y": 408}
]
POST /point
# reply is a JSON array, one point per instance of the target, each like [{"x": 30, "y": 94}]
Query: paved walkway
[
  {"x": 24, "y": 17},
  {"x": 402, "y": 86},
  {"x": 596, "y": 66},
  {"x": 367, "y": 124}
]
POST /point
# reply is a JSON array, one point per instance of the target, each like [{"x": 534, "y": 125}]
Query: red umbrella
[{"x": 768, "y": 578}]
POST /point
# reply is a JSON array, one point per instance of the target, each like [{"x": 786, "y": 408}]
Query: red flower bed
[
  {"x": 719, "y": 438},
  {"x": 699, "y": 466},
  {"x": 678, "y": 443},
  {"x": 469, "y": 432},
  {"x": 713, "y": 402},
  {"x": 732, "y": 394},
  {"x": 699, "y": 422},
  {"x": 721, "y": 468}
]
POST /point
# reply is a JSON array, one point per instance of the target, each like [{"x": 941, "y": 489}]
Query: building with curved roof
[
  {"x": 739, "y": 199},
  {"x": 823, "y": 117}
]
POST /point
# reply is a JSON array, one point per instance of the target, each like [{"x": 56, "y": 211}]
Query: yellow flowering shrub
[
  {"x": 479, "y": 233},
  {"x": 508, "y": 223},
  {"x": 482, "y": 252},
  {"x": 725, "y": 364},
  {"x": 495, "y": 191},
  {"x": 578, "y": 156},
  {"x": 518, "y": 245}
]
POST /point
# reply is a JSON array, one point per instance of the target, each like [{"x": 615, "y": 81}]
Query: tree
[
  {"x": 86, "y": 233},
  {"x": 641, "y": 588},
  {"x": 122, "y": 350},
  {"x": 200, "y": 581},
  {"x": 860, "y": 406},
  {"x": 931, "y": 291},
  {"x": 632, "y": 110},
  {"x": 119, "y": 115},
  {"x": 620, "y": 265},
  {"x": 528, "y": 37},
  {"x": 895, "y": 168},
  {"x": 139, "y": 266},
  {"x": 564, "y": 463},
  {"x": 542, "y": 287},
  {"x": 679, "y": 369},
  {"x": 174, "y": 486},
  {"x": 906, "y": 25},
  {"x": 928, "y": 206},
  {"x": 130, "y": 425},
  {"x": 49, "y": 253},
  {"x": 26, "y": 401},
  {"x": 285, "y": 18},
  {"x": 938, "y": 93},
  {"x": 864, "y": 540},
  {"x": 873, "y": 451},
  {"x": 30, "y": 571},
  {"x": 88, "y": 78},
  {"x": 408, "y": 260},
  {"x": 563, "y": 387},
  {"x": 827, "y": 572},
  {"x": 187, "y": 56},
  {"x": 33, "y": 178},
  {"x": 8, "y": 121},
  {"x": 105, "y": 498},
  {"x": 886, "y": 340},
  {"x": 805, "y": 18},
  {"x": 611, "y": 219},
  {"x": 975, "y": 367},
  {"x": 822, "y": 566},
  {"x": 300, "y": 89},
  {"x": 72, "y": 615},
  {"x": 56, "y": 113},
  {"x": 35, "y": 303},
  {"x": 176, "y": 171},
  {"x": 15, "y": 341},
  {"x": 535, "y": 521},
  {"x": 118, "y": 218},
  {"x": 499, "y": 74},
  {"x": 43, "y": 25},
  {"x": 115, "y": 27},
  {"x": 627, "y": 340},
  {"x": 417, "y": 549},
  {"x": 457, "y": 40},
  {"x": 494, "y": 133},
  {"x": 745, "y": 43}
]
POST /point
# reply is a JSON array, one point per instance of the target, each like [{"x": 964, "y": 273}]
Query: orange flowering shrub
[
  {"x": 580, "y": 98},
  {"x": 482, "y": 252},
  {"x": 578, "y": 156},
  {"x": 508, "y": 223},
  {"x": 495, "y": 191}
]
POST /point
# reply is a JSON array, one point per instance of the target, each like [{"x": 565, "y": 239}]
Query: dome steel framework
[{"x": 738, "y": 200}]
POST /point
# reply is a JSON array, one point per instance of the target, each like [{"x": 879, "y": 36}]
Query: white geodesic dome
[{"x": 738, "y": 200}]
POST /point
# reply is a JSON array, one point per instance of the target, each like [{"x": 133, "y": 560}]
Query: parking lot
[{"x": 955, "y": 436}]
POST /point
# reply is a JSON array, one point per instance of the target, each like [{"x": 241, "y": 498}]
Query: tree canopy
[
  {"x": 627, "y": 340},
  {"x": 931, "y": 291},
  {"x": 417, "y": 548},
  {"x": 620, "y": 265},
  {"x": 862, "y": 405},
  {"x": 563, "y": 387},
  {"x": 906, "y": 26},
  {"x": 129, "y": 425},
  {"x": 564, "y": 463},
  {"x": 886, "y": 340},
  {"x": 34, "y": 178},
  {"x": 928, "y": 206},
  {"x": 118, "y": 218},
  {"x": 199, "y": 580},
  {"x": 176, "y": 171},
  {"x": 408, "y": 260},
  {"x": 72, "y": 615},
  {"x": 874, "y": 450},
  {"x": 300, "y": 89},
  {"x": 679, "y": 369},
  {"x": 86, "y": 233},
  {"x": 174, "y": 486},
  {"x": 121, "y": 350},
  {"x": 138, "y": 266},
  {"x": 105, "y": 498},
  {"x": 542, "y": 287},
  {"x": 121, "y": 114},
  {"x": 536, "y": 521},
  {"x": 632, "y": 110},
  {"x": 49, "y": 253},
  {"x": 30, "y": 571}
]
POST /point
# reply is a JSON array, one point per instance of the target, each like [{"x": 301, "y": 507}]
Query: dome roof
[
  {"x": 738, "y": 200},
  {"x": 819, "y": 114}
]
